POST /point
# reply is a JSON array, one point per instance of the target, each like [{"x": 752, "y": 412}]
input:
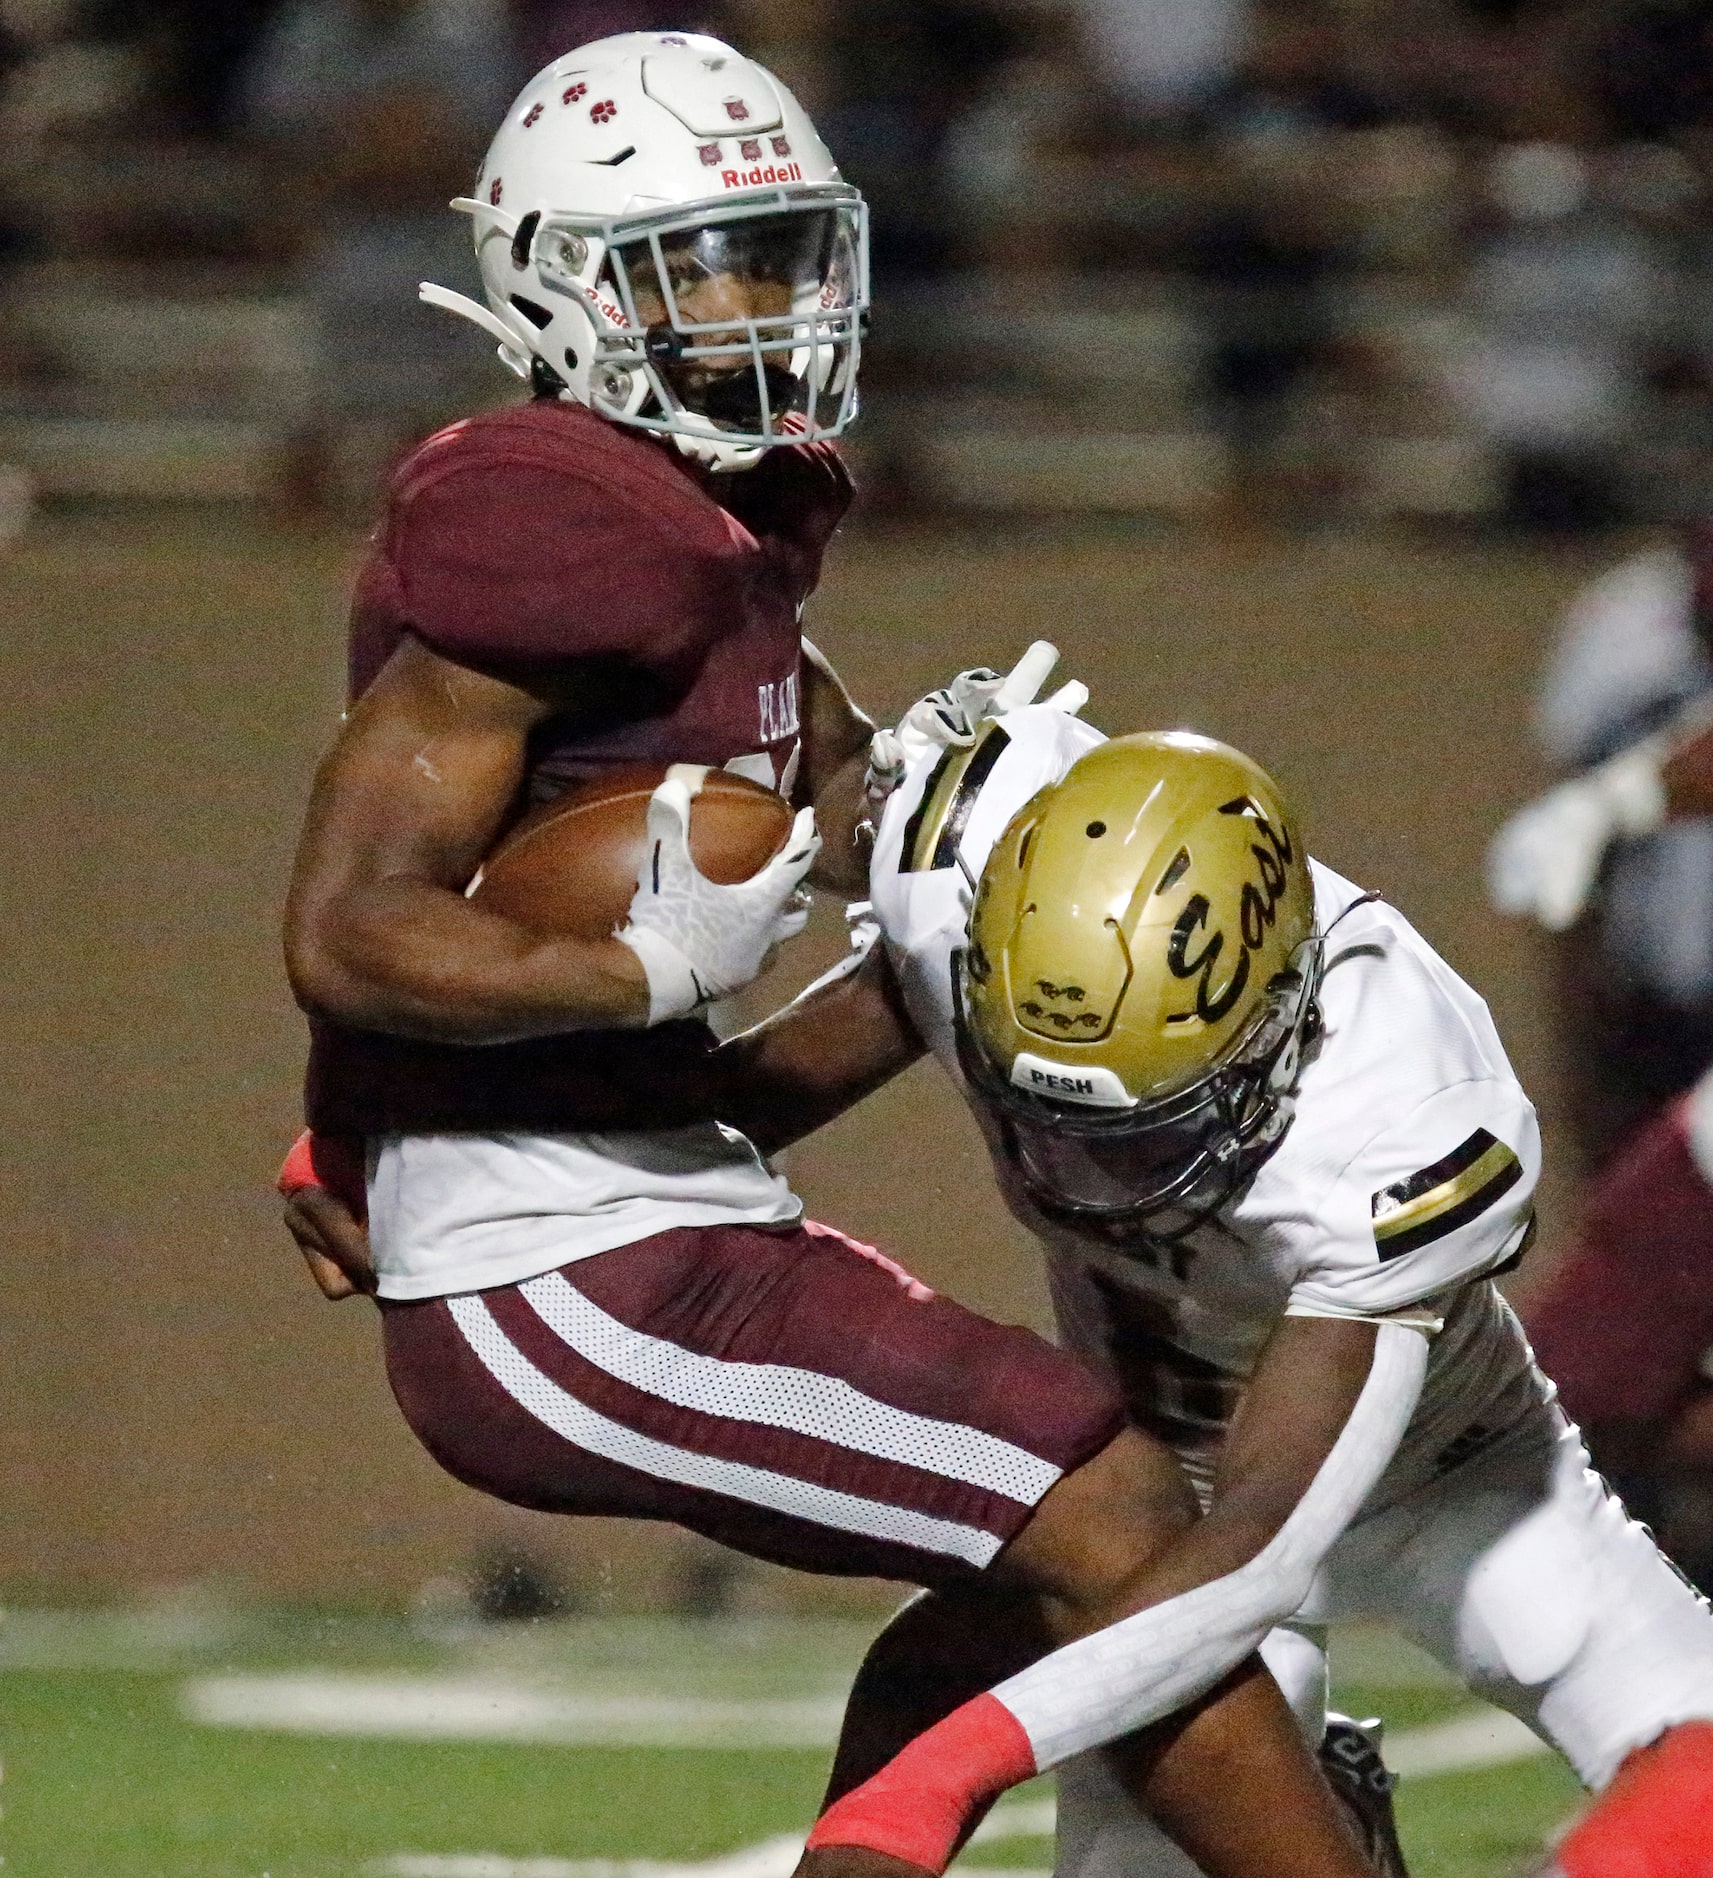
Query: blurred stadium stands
[{"x": 1321, "y": 261}]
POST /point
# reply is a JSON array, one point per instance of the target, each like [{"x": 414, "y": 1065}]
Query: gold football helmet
[{"x": 1140, "y": 978}]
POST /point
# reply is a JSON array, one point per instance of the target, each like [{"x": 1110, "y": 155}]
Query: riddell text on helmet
[{"x": 762, "y": 173}]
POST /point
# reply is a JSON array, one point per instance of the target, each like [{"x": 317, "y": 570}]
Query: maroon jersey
[{"x": 541, "y": 535}]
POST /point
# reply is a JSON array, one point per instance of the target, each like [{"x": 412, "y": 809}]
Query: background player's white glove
[
  {"x": 698, "y": 940},
  {"x": 953, "y": 714},
  {"x": 1546, "y": 858}
]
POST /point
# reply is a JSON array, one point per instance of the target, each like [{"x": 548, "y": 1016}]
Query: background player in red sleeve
[
  {"x": 595, "y": 1297},
  {"x": 1623, "y": 1321}
]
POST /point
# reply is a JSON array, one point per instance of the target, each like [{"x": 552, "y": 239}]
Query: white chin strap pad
[{"x": 1136, "y": 1671}]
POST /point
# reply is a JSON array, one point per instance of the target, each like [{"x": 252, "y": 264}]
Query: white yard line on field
[
  {"x": 458, "y": 1708},
  {"x": 467, "y": 1708},
  {"x": 1018, "y": 1819},
  {"x": 1489, "y": 1738}
]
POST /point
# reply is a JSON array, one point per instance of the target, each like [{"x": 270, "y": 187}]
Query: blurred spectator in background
[
  {"x": 19, "y": 27},
  {"x": 375, "y": 113},
  {"x": 1620, "y": 858},
  {"x": 1567, "y": 300},
  {"x": 1163, "y": 58},
  {"x": 1304, "y": 259},
  {"x": 1636, "y": 992},
  {"x": 1652, "y": 70},
  {"x": 196, "y": 51},
  {"x": 902, "y": 74},
  {"x": 1270, "y": 251}
]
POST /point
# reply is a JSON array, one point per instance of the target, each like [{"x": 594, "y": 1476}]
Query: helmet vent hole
[
  {"x": 537, "y": 315},
  {"x": 1096, "y": 830},
  {"x": 1173, "y": 874},
  {"x": 524, "y": 237},
  {"x": 570, "y": 360}
]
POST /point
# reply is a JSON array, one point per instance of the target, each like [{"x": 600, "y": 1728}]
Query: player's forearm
[
  {"x": 835, "y": 757},
  {"x": 1323, "y": 1413},
  {"x": 841, "y": 815},
  {"x": 1207, "y": 1599},
  {"x": 805, "y": 1065},
  {"x": 413, "y": 960},
  {"x": 1158, "y": 1659}
]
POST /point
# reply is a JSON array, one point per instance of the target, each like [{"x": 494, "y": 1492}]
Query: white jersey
[{"x": 1406, "y": 1175}]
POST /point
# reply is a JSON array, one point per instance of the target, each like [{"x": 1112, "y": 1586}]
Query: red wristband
[
  {"x": 332, "y": 1162},
  {"x": 917, "y": 1806},
  {"x": 298, "y": 1169}
]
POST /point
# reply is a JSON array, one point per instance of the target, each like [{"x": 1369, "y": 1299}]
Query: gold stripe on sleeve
[{"x": 1468, "y": 1181}]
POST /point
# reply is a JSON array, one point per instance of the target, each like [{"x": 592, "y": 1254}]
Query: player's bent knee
[{"x": 1098, "y": 1526}]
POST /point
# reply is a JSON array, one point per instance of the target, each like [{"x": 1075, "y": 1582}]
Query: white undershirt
[{"x": 450, "y": 1213}]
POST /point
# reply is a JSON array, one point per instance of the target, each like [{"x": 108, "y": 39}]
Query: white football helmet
[{"x": 663, "y": 237}]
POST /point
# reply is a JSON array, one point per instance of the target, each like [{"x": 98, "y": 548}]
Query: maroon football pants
[{"x": 787, "y": 1392}]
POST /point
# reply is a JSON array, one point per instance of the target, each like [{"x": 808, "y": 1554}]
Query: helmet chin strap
[
  {"x": 722, "y": 458},
  {"x": 515, "y": 352}
]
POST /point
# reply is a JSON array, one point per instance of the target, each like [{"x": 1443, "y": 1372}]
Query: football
[{"x": 571, "y": 866}]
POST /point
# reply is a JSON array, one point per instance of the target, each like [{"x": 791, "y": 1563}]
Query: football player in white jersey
[{"x": 1275, "y": 1154}]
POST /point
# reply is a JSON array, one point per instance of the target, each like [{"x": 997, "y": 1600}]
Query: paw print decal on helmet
[
  {"x": 604, "y": 112},
  {"x": 531, "y": 115},
  {"x": 572, "y": 93}
]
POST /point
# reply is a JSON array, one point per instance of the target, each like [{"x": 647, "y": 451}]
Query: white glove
[
  {"x": 1546, "y": 858},
  {"x": 953, "y": 714},
  {"x": 698, "y": 940}
]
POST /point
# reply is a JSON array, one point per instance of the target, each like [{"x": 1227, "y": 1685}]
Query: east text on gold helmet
[{"x": 1139, "y": 942}]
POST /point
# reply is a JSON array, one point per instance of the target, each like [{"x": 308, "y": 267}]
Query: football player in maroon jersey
[{"x": 595, "y": 1297}]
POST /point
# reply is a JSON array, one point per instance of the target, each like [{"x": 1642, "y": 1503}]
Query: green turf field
[{"x": 190, "y": 1743}]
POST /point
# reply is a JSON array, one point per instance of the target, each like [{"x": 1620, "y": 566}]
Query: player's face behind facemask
[
  {"x": 1139, "y": 982},
  {"x": 733, "y": 314},
  {"x": 649, "y": 155}
]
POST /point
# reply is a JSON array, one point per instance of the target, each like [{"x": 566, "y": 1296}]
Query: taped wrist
[
  {"x": 917, "y": 1806},
  {"x": 674, "y": 990}
]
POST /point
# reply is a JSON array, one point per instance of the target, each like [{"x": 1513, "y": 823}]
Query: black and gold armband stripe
[
  {"x": 932, "y": 834},
  {"x": 1438, "y": 1199}
]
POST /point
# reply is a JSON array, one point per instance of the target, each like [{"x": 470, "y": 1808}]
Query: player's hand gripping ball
[{"x": 699, "y": 871}]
